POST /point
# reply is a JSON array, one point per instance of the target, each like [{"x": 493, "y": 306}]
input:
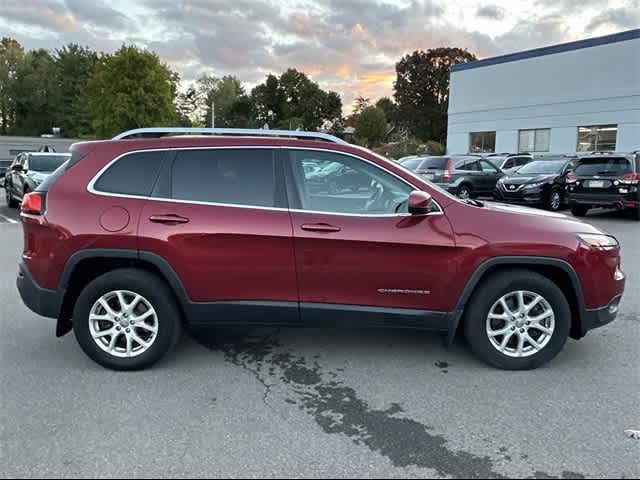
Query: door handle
[
  {"x": 320, "y": 227},
  {"x": 170, "y": 219}
]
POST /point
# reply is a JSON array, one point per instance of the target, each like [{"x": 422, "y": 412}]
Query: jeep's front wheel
[
  {"x": 517, "y": 320},
  {"x": 126, "y": 319}
]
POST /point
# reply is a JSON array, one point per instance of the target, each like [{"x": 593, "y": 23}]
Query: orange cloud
[
  {"x": 343, "y": 71},
  {"x": 377, "y": 77}
]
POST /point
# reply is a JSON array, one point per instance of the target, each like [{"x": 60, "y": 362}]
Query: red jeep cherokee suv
[{"x": 134, "y": 238}]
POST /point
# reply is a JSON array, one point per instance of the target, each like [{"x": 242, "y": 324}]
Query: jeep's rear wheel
[
  {"x": 517, "y": 320},
  {"x": 126, "y": 319}
]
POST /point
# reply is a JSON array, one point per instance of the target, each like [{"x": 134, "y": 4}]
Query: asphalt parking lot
[{"x": 317, "y": 403}]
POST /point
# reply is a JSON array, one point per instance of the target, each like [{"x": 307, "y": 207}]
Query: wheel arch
[
  {"x": 87, "y": 265},
  {"x": 556, "y": 270}
]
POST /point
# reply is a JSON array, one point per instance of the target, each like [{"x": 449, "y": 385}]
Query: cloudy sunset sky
[{"x": 350, "y": 46}]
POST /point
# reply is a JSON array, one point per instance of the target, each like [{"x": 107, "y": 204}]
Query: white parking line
[{"x": 7, "y": 219}]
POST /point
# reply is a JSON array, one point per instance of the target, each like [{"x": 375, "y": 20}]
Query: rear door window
[
  {"x": 134, "y": 174},
  {"x": 470, "y": 166},
  {"x": 225, "y": 176}
]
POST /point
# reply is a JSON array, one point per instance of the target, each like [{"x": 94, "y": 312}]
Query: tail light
[
  {"x": 631, "y": 179},
  {"x": 571, "y": 177},
  {"x": 33, "y": 203},
  {"x": 448, "y": 174}
]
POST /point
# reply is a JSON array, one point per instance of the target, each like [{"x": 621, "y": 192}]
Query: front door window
[{"x": 340, "y": 184}]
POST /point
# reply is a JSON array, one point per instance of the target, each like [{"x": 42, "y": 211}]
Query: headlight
[
  {"x": 595, "y": 240},
  {"x": 534, "y": 185}
]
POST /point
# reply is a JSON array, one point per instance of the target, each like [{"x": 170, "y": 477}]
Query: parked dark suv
[
  {"x": 27, "y": 171},
  {"x": 131, "y": 239},
  {"x": 467, "y": 176},
  {"x": 606, "y": 180},
  {"x": 540, "y": 183}
]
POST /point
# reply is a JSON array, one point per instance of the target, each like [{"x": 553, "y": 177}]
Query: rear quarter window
[{"x": 134, "y": 174}]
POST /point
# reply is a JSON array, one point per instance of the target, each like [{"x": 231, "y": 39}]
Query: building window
[
  {"x": 537, "y": 140},
  {"x": 597, "y": 138},
  {"x": 482, "y": 142}
]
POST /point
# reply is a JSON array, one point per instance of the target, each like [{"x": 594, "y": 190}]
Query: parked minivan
[{"x": 132, "y": 239}]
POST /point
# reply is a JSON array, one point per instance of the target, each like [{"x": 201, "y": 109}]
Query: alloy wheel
[
  {"x": 520, "y": 324},
  {"x": 123, "y": 324},
  {"x": 464, "y": 193},
  {"x": 555, "y": 201}
]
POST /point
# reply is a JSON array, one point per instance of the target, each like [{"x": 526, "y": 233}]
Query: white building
[{"x": 574, "y": 97}]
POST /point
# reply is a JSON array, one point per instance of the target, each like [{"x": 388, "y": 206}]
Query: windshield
[
  {"x": 46, "y": 163},
  {"x": 541, "y": 167},
  {"x": 603, "y": 166},
  {"x": 411, "y": 164},
  {"x": 434, "y": 163}
]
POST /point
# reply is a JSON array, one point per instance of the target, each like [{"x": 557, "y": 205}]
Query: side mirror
[
  {"x": 419, "y": 202},
  {"x": 17, "y": 168}
]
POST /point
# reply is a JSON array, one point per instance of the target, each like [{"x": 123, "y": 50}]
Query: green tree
[
  {"x": 239, "y": 115},
  {"x": 131, "y": 89},
  {"x": 389, "y": 108},
  {"x": 187, "y": 104},
  {"x": 223, "y": 93},
  {"x": 74, "y": 66},
  {"x": 37, "y": 96},
  {"x": 371, "y": 126},
  {"x": 11, "y": 57},
  {"x": 294, "y": 98},
  {"x": 359, "y": 104},
  {"x": 422, "y": 90}
]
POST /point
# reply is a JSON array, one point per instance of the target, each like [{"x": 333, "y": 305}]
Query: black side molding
[{"x": 301, "y": 314}]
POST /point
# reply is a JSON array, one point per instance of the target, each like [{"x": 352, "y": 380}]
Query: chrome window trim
[{"x": 91, "y": 186}]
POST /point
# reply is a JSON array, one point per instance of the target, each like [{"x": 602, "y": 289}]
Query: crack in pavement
[{"x": 337, "y": 409}]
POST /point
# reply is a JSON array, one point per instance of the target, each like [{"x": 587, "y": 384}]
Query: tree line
[{"x": 97, "y": 95}]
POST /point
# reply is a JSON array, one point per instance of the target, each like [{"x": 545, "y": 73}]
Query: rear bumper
[
  {"x": 600, "y": 317},
  {"x": 611, "y": 200},
  {"x": 46, "y": 303}
]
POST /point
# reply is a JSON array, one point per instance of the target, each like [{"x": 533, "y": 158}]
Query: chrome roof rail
[{"x": 245, "y": 132}]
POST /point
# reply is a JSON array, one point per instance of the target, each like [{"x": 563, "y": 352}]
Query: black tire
[
  {"x": 579, "y": 211},
  {"x": 155, "y": 291},
  {"x": 555, "y": 200},
  {"x": 491, "y": 290},
  {"x": 11, "y": 203},
  {"x": 465, "y": 191}
]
